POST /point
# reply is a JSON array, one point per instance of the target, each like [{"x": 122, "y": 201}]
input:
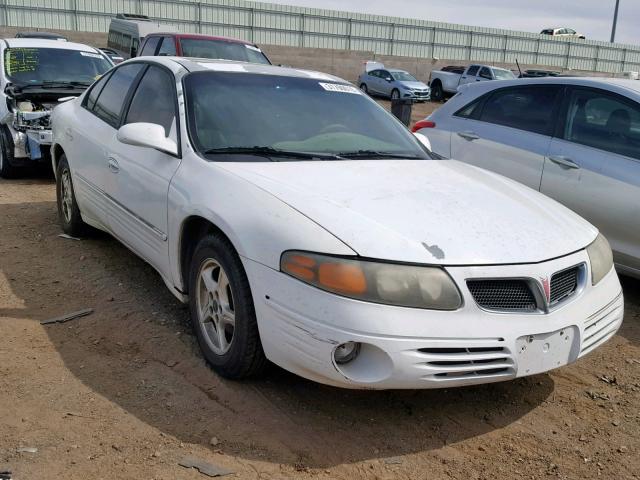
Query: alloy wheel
[
  {"x": 216, "y": 311},
  {"x": 66, "y": 195}
]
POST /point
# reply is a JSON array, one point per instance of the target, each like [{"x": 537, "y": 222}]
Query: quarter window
[
  {"x": 525, "y": 108},
  {"x": 109, "y": 104},
  {"x": 153, "y": 102},
  {"x": 93, "y": 94},
  {"x": 604, "y": 121}
]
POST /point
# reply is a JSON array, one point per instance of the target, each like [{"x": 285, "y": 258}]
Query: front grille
[
  {"x": 506, "y": 295},
  {"x": 563, "y": 284}
]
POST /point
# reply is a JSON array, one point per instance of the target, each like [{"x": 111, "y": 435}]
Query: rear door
[
  {"x": 95, "y": 127},
  {"x": 142, "y": 179},
  {"x": 470, "y": 75},
  {"x": 593, "y": 167},
  {"x": 508, "y": 131}
]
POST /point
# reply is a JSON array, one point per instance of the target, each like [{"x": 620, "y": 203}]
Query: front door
[{"x": 143, "y": 174}]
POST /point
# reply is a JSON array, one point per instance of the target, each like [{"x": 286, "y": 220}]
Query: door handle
[
  {"x": 477, "y": 79},
  {"x": 564, "y": 161},
  {"x": 113, "y": 165},
  {"x": 468, "y": 136},
  {"x": 464, "y": 78}
]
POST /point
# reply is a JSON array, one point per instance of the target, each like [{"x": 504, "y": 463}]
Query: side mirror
[
  {"x": 423, "y": 140},
  {"x": 149, "y": 135}
]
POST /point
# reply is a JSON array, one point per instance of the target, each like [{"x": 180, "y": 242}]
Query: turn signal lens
[{"x": 378, "y": 282}]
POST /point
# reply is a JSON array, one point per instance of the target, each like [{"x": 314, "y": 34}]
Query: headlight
[
  {"x": 600, "y": 257},
  {"x": 370, "y": 281}
]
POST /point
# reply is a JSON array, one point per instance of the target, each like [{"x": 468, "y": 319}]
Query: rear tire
[
  {"x": 437, "y": 93},
  {"x": 68, "y": 211},
  {"x": 222, "y": 311},
  {"x": 7, "y": 169}
]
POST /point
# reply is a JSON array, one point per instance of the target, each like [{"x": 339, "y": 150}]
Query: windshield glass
[
  {"x": 25, "y": 66},
  {"x": 502, "y": 74},
  {"x": 403, "y": 77},
  {"x": 228, "y": 110},
  {"x": 220, "y": 49}
]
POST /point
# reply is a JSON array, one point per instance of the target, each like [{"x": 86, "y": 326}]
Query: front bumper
[
  {"x": 300, "y": 327},
  {"x": 417, "y": 96}
]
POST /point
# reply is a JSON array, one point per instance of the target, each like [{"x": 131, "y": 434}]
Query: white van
[{"x": 127, "y": 31}]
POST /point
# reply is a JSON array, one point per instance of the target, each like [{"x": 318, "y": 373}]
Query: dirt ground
[{"x": 124, "y": 393}]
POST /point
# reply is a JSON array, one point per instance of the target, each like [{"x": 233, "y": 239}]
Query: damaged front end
[{"x": 28, "y": 119}]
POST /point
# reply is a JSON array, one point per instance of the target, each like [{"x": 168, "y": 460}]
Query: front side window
[
  {"x": 486, "y": 73},
  {"x": 167, "y": 47},
  {"x": 600, "y": 120},
  {"x": 403, "y": 77},
  {"x": 233, "y": 110},
  {"x": 149, "y": 47},
  {"x": 527, "y": 108},
  {"x": 154, "y": 102},
  {"x": 45, "y": 66},
  {"x": 221, "y": 49},
  {"x": 109, "y": 104}
]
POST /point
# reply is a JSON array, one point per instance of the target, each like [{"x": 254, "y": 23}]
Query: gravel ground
[{"x": 124, "y": 393}]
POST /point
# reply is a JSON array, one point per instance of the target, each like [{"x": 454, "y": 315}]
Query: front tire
[
  {"x": 222, "y": 310},
  {"x": 7, "y": 170},
  {"x": 395, "y": 94},
  {"x": 364, "y": 88},
  {"x": 68, "y": 211}
]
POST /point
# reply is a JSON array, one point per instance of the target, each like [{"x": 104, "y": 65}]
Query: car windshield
[
  {"x": 221, "y": 49},
  {"x": 502, "y": 74},
  {"x": 403, "y": 77},
  {"x": 32, "y": 66},
  {"x": 234, "y": 112}
]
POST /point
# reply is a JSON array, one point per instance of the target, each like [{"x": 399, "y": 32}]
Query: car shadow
[
  {"x": 631, "y": 325},
  {"x": 138, "y": 351}
]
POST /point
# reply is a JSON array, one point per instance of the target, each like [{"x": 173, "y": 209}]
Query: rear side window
[
  {"x": 92, "y": 96},
  {"x": 486, "y": 73},
  {"x": 601, "y": 120},
  {"x": 149, "y": 48},
  {"x": 109, "y": 104},
  {"x": 473, "y": 70},
  {"x": 167, "y": 47},
  {"x": 154, "y": 101},
  {"x": 527, "y": 108}
]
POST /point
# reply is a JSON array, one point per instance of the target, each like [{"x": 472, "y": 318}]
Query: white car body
[
  {"x": 596, "y": 177},
  {"x": 477, "y": 224},
  {"x": 449, "y": 82},
  {"x": 562, "y": 32}
]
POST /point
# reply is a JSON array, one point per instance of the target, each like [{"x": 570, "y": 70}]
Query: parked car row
[
  {"x": 576, "y": 140},
  {"x": 326, "y": 239}
]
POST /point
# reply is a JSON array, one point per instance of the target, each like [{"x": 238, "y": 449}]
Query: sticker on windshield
[
  {"x": 89, "y": 54},
  {"x": 255, "y": 49},
  {"x": 339, "y": 88}
]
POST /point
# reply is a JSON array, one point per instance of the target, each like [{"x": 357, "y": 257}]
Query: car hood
[
  {"x": 419, "y": 85},
  {"x": 425, "y": 211}
]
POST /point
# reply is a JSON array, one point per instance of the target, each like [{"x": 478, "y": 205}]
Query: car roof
[
  {"x": 396, "y": 70},
  {"x": 44, "y": 43},
  {"x": 632, "y": 86},
  {"x": 206, "y": 64},
  {"x": 200, "y": 36},
  {"x": 41, "y": 34}
]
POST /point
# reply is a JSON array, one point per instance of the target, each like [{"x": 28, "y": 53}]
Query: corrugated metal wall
[{"x": 274, "y": 24}]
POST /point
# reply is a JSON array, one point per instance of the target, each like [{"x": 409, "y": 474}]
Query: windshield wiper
[
  {"x": 376, "y": 154},
  {"x": 52, "y": 84},
  {"x": 270, "y": 152}
]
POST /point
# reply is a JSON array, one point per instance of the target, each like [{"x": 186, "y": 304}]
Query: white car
[
  {"x": 36, "y": 74},
  {"x": 562, "y": 32},
  {"x": 574, "y": 139},
  {"x": 445, "y": 82},
  {"x": 305, "y": 225}
]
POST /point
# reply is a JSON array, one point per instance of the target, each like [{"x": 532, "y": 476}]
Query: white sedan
[{"x": 306, "y": 226}]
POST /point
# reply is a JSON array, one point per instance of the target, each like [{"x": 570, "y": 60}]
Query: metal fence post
[
  {"x": 199, "y": 13},
  {"x": 349, "y": 27},
  {"x": 302, "y": 30},
  {"x": 5, "y": 14},
  {"x": 252, "y": 24},
  {"x": 470, "y": 45}
]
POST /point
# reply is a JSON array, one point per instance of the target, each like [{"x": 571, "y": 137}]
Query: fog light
[{"x": 346, "y": 352}]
